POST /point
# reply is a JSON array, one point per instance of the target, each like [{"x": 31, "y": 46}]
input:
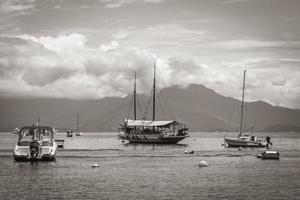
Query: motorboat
[
  {"x": 35, "y": 143},
  {"x": 270, "y": 154}
]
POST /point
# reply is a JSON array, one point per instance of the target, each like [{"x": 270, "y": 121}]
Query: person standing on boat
[{"x": 268, "y": 140}]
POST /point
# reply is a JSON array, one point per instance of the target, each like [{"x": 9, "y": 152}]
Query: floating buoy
[
  {"x": 123, "y": 141},
  {"x": 95, "y": 165},
  {"x": 259, "y": 155},
  {"x": 189, "y": 152},
  {"x": 203, "y": 163}
]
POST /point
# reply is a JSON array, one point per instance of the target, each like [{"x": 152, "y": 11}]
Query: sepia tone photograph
[{"x": 149, "y": 99}]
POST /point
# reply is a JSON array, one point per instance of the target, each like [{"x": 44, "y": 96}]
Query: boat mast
[
  {"x": 134, "y": 97},
  {"x": 242, "y": 105},
  {"x": 153, "y": 117},
  {"x": 77, "y": 127}
]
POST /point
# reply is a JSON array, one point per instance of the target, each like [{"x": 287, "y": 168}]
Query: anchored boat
[
  {"x": 78, "y": 133},
  {"x": 152, "y": 131},
  {"x": 35, "y": 143},
  {"x": 244, "y": 140}
]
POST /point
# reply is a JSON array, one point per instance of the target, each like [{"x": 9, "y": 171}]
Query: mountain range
[{"x": 200, "y": 108}]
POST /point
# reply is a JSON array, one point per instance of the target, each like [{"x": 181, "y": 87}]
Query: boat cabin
[
  {"x": 42, "y": 134},
  {"x": 148, "y": 127}
]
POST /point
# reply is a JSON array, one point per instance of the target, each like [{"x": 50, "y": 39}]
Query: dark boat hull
[{"x": 159, "y": 140}]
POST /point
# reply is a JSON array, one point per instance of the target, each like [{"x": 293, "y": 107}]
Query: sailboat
[
  {"x": 244, "y": 140},
  {"x": 78, "y": 133},
  {"x": 152, "y": 131}
]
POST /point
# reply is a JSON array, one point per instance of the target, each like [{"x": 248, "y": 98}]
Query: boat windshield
[{"x": 42, "y": 135}]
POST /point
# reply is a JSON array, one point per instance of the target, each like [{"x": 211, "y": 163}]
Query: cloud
[
  {"x": 34, "y": 66},
  {"x": 120, "y": 3},
  {"x": 10, "y": 6},
  {"x": 236, "y": 1},
  {"x": 66, "y": 67},
  {"x": 251, "y": 44},
  {"x": 43, "y": 64}
]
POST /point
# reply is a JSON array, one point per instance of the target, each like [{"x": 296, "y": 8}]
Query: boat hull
[
  {"x": 158, "y": 140},
  {"x": 235, "y": 142},
  {"x": 46, "y": 153}
]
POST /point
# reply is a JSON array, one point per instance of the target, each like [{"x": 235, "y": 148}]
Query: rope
[
  {"x": 139, "y": 105},
  {"x": 131, "y": 102},
  {"x": 162, "y": 108},
  {"x": 231, "y": 115},
  {"x": 120, "y": 106},
  {"x": 147, "y": 106},
  {"x": 167, "y": 106}
]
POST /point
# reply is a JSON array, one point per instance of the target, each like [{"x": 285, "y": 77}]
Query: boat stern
[{"x": 21, "y": 153}]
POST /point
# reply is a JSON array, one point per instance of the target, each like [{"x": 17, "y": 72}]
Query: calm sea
[{"x": 128, "y": 171}]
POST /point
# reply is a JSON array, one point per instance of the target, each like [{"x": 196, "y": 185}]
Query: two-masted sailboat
[
  {"x": 244, "y": 140},
  {"x": 152, "y": 131},
  {"x": 77, "y": 131}
]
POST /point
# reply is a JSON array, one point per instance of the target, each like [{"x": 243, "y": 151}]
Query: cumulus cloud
[
  {"x": 120, "y": 3},
  {"x": 252, "y": 44},
  {"x": 65, "y": 66},
  {"x": 10, "y": 6},
  {"x": 61, "y": 66}
]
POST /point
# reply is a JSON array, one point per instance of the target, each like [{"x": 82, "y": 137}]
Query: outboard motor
[{"x": 34, "y": 149}]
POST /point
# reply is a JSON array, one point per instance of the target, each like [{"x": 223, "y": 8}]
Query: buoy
[
  {"x": 95, "y": 165},
  {"x": 240, "y": 148},
  {"x": 188, "y": 152},
  {"x": 123, "y": 141},
  {"x": 259, "y": 155},
  {"x": 203, "y": 163}
]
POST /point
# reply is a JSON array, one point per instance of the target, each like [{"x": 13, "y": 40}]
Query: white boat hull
[
  {"x": 22, "y": 153},
  {"x": 236, "y": 142}
]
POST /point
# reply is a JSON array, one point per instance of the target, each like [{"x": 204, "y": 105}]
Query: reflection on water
[{"x": 143, "y": 171}]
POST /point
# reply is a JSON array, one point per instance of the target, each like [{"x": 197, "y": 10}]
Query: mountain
[
  {"x": 200, "y": 108},
  {"x": 282, "y": 128}
]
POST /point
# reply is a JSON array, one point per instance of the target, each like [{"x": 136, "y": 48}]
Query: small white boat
[
  {"x": 270, "y": 154},
  {"x": 78, "y": 133},
  {"x": 35, "y": 143},
  {"x": 244, "y": 141}
]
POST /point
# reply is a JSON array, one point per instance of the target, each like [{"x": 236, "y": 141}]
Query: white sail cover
[{"x": 131, "y": 122}]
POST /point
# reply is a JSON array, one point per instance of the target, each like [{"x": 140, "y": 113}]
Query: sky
[{"x": 90, "y": 49}]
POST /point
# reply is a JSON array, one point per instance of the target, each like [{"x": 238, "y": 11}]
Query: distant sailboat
[
  {"x": 152, "y": 131},
  {"x": 243, "y": 140},
  {"x": 78, "y": 133}
]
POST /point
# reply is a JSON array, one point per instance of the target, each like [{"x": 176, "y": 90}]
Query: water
[{"x": 140, "y": 171}]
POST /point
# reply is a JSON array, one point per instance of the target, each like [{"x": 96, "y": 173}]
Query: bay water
[{"x": 146, "y": 171}]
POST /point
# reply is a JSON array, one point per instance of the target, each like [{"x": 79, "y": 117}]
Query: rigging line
[
  {"x": 128, "y": 115},
  {"x": 245, "y": 113},
  {"x": 161, "y": 105},
  {"x": 119, "y": 107},
  {"x": 235, "y": 101},
  {"x": 231, "y": 115},
  {"x": 148, "y": 106},
  {"x": 139, "y": 105},
  {"x": 168, "y": 108}
]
